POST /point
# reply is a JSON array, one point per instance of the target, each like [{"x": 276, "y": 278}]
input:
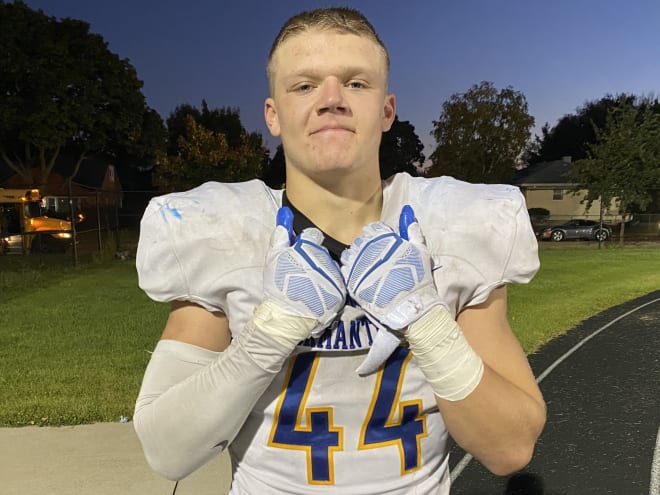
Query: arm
[
  {"x": 194, "y": 325},
  {"x": 200, "y": 385},
  {"x": 480, "y": 376},
  {"x": 500, "y": 421},
  {"x": 193, "y": 400}
]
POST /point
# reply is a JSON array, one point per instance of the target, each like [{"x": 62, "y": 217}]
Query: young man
[{"x": 274, "y": 309}]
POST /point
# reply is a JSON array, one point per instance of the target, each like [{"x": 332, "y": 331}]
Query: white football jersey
[{"x": 319, "y": 427}]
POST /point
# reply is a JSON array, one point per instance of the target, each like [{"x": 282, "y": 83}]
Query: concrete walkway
[{"x": 97, "y": 459}]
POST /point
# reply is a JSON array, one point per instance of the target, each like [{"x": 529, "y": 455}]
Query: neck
[{"x": 340, "y": 209}]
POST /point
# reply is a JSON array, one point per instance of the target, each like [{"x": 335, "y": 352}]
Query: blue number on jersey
[
  {"x": 320, "y": 438},
  {"x": 381, "y": 429}
]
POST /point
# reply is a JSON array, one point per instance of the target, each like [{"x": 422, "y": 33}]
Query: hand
[
  {"x": 300, "y": 276},
  {"x": 390, "y": 275}
]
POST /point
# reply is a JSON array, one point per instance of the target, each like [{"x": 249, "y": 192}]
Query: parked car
[{"x": 577, "y": 229}]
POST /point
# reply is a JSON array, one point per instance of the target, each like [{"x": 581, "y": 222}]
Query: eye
[
  {"x": 303, "y": 88},
  {"x": 356, "y": 85}
]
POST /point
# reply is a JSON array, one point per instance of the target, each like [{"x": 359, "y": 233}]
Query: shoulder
[
  {"x": 453, "y": 196},
  {"x": 189, "y": 240},
  {"x": 480, "y": 235},
  {"x": 213, "y": 211},
  {"x": 208, "y": 199},
  {"x": 446, "y": 205}
]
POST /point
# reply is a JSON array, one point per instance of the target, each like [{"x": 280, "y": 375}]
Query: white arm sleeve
[{"x": 193, "y": 401}]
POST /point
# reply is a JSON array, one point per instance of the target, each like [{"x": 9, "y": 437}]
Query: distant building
[
  {"x": 95, "y": 192},
  {"x": 547, "y": 185},
  {"x": 95, "y": 187}
]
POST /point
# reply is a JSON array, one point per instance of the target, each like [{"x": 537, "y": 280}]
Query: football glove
[
  {"x": 390, "y": 275},
  {"x": 300, "y": 276}
]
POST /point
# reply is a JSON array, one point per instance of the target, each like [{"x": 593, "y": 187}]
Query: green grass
[
  {"x": 577, "y": 282},
  {"x": 73, "y": 344},
  {"x": 74, "y": 341}
]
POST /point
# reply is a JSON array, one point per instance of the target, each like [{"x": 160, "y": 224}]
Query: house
[
  {"x": 95, "y": 186},
  {"x": 547, "y": 185}
]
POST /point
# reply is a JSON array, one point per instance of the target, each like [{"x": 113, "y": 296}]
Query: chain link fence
[
  {"x": 103, "y": 228},
  {"x": 110, "y": 230}
]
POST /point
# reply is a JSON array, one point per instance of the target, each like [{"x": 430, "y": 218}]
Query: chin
[
  {"x": 335, "y": 167},
  {"x": 327, "y": 164}
]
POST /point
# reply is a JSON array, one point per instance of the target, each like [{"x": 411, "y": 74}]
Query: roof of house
[
  {"x": 545, "y": 173},
  {"x": 91, "y": 173}
]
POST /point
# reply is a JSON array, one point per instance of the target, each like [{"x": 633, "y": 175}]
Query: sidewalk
[{"x": 97, "y": 459}]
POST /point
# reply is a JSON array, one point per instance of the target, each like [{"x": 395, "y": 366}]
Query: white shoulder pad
[
  {"x": 480, "y": 235},
  {"x": 196, "y": 245}
]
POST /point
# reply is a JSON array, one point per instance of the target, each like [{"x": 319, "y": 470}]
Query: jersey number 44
[{"x": 388, "y": 422}]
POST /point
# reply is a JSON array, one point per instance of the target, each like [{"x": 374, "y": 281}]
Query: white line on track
[{"x": 655, "y": 468}]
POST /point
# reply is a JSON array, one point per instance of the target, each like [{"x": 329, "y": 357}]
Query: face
[{"x": 329, "y": 102}]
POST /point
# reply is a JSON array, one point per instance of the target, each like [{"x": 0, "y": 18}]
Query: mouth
[{"x": 332, "y": 129}]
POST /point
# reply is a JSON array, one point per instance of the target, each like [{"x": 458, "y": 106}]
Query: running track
[{"x": 601, "y": 383}]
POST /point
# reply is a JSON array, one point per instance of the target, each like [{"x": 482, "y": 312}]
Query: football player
[{"x": 333, "y": 335}]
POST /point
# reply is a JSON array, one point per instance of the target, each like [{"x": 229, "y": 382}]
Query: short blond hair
[{"x": 339, "y": 19}]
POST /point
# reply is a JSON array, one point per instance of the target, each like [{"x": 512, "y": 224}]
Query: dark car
[{"x": 577, "y": 229}]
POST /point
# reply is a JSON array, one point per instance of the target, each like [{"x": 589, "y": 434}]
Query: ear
[
  {"x": 389, "y": 111},
  {"x": 270, "y": 114}
]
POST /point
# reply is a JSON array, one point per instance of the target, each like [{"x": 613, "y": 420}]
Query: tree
[
  {"x": 275, "y": 172},
  {"x": 135, "y": 162},
  {"x": 151, "y": 142},
  {"x": 574, "y": 133},
  {"x": 623, "y": 162},
  {"x": 61, "y": 90},
  {"x": 246, "y": 155},
  {"x": 400, "y": 150},
  {"x": 480, "y": 134},
  {"x": 224, "y": 120},
  {"x": 177, "y": 125},
  {"x": 205, "y": 155}
]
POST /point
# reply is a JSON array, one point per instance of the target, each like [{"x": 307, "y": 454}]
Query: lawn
[
  {"x": 74, "y": 341},
  {"x": 578, "y": 281}
]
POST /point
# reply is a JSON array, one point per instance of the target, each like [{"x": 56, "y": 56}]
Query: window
[{"x": 557, "y": 194}]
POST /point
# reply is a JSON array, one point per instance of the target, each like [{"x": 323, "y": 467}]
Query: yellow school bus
[{"x": 25, "y": 228}]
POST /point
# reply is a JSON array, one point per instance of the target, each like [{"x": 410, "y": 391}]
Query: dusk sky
[{"x": 559, "y": 54}]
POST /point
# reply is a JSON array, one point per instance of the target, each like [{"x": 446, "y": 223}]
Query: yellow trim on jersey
[
  {"x": 307, "y": 426},
  {"x": 396, "y": 406}
]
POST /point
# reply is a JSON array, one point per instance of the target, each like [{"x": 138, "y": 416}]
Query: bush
[{"x": 538, "y": 213}]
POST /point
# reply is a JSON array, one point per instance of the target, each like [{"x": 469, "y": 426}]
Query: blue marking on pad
[
  {"x": 285, "y": 219},
  {"x": 167, "y": 208},
  {"x": 407, "y": 217}
]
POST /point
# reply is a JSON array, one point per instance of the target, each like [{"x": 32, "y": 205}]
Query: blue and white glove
[
  {"x": 300, "y": 275},
  {"x": 390, "y": 277}
]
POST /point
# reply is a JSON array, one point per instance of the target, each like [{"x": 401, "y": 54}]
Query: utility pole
[{"x": 600, "y": 220}]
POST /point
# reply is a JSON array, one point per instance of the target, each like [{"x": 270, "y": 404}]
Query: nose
[{"x": 331, "y": 97}]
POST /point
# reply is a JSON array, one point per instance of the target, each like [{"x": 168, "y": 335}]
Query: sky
[{"x": 559, "y": 54}]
